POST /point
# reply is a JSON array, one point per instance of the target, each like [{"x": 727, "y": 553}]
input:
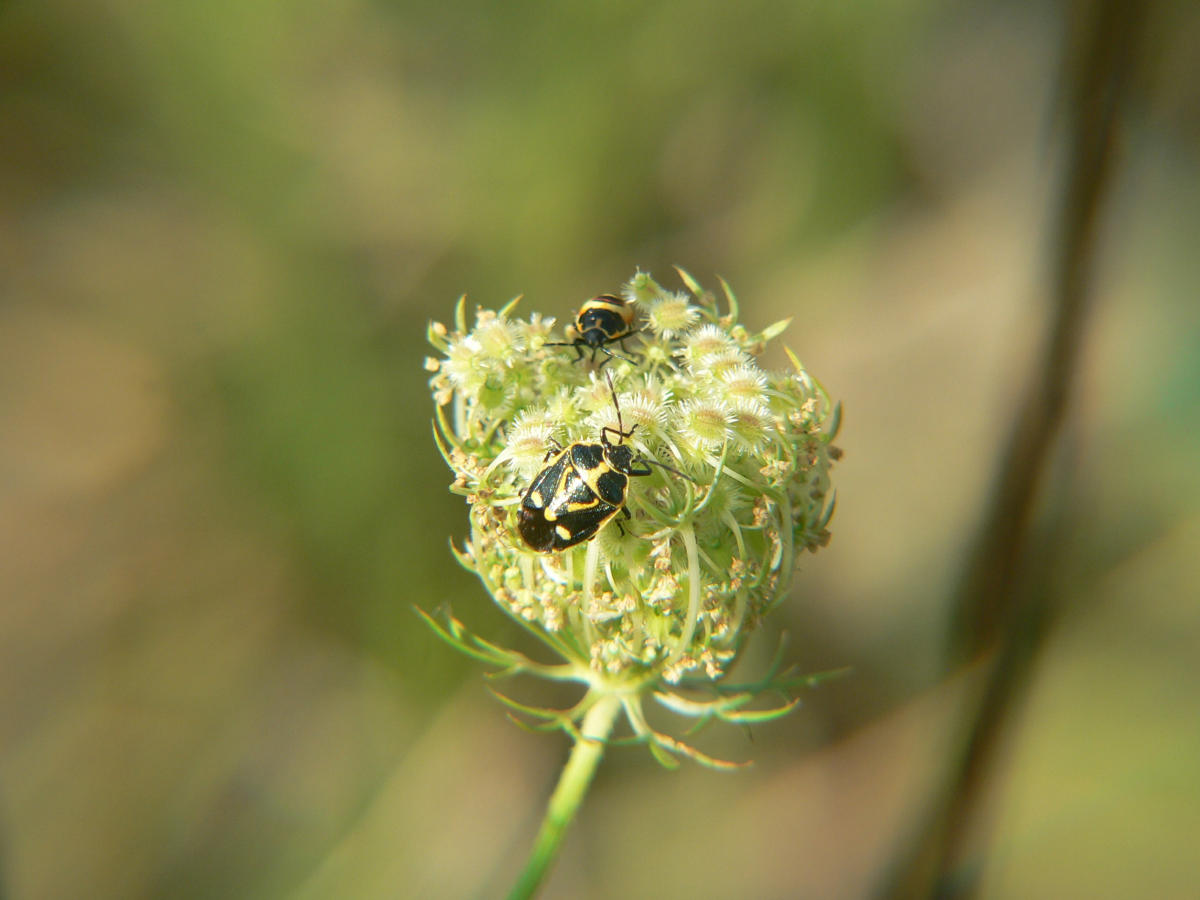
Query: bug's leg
[
  {"x": 654, "y": 462},
  {"x": 621, "y": 435},
  {"x": 645, "y": 470},
  {"x": 555, "y": 449}
]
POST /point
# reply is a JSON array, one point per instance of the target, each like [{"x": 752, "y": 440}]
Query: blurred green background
[{"x": 223, "y": 229}]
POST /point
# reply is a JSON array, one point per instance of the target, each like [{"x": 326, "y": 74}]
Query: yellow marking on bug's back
[
  {"x": 536, "y": 497},
  {"x": 609, "y": 303},
  {"x": 562, "y": 531}
]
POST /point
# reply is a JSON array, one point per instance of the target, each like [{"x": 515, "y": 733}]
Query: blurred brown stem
[{"x": 994, "y": 621}]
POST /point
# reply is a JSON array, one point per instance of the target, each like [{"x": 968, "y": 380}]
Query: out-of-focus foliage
[{"x": 223, "y": 227}]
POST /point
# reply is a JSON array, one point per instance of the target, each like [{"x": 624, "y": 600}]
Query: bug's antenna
[
  {"x": 624, "y": 434},
  {"x": 655, "y": 462},
  {"x": 612, "y": 390},
  {"x": 616, "y": 355}
]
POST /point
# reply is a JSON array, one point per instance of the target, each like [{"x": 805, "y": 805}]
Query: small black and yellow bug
[
  {"x": 581, "y": 488},
  {"x": 603, "y": 320}
]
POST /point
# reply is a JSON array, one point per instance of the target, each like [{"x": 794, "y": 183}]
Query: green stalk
[{"x": 568, "y": 795}]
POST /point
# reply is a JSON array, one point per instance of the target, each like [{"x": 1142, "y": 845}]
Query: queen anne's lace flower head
[{"x": 667, "y": 596}]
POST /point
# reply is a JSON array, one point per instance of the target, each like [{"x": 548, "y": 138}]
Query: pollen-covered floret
[
  {"x": 646, "y": 408},
  {"x": 704, "y": 423},
  {"x": 671, "y": 315},
  {"x": 499, "y": 339},
  {"x": 752, "y": 426},
  {"x": 531, "y": 434},
  {"x": 743, "y": 384}
]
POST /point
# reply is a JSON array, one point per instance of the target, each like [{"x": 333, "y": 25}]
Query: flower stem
[{"x": 568, "y": 795}]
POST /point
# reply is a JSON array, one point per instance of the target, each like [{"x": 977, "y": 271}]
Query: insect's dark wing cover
[
  {"x": 573, "y": 515},
  {"x": 582, "y": 525},
  {"x": 586, "y": 457},
  {"x": 536, "y": 530},
  {"x": 574, "y": 495},
  {"x": 541, "y": 492},
  {"x": 577, "y": 509}
]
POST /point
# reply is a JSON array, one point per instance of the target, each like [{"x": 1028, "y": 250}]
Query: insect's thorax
[
  {"x": 619, "y": 457},
  {"x": 598, "y": 326},
  {"x": 594, "y": 333},
  {"x": 587, "y": 456}
]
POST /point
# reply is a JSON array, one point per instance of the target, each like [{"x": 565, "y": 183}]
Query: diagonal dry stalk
[{"x": 996, "y": 623}]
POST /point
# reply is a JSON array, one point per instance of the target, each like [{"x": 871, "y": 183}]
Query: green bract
[{"x": 666, "y": 600}]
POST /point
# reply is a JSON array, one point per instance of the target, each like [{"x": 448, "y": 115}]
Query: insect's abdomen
[
  {"x": 536, "y": 530},
  {"x": 561, "y": 509}
]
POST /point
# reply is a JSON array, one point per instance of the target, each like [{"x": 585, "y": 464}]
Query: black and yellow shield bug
[
  {"x": 603, "y": 320},
  {"x": 581, "y": 488}
]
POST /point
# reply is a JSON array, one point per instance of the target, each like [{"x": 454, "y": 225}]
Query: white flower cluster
[{"x": 739, "y": 461}]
